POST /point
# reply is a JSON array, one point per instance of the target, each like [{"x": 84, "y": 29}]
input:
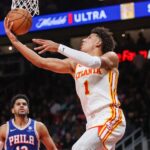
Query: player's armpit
[
  {"x": 109, "y": 60},
  {"x": 57, "y": 65}
]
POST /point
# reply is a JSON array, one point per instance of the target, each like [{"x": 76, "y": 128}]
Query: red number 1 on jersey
[{"x": 86, "y": 86}]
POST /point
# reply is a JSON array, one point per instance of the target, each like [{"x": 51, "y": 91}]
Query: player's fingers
[
  {"x": 43, "y": 51},
  {"x": 41, "y": 40},
  {"x": 37, "y": 41},
  {"x": 6, "y": 22},
  {"x": 10, "y": 25},
  {"x": 39, "y": 48},
  {"x": 6, "y": 25}
]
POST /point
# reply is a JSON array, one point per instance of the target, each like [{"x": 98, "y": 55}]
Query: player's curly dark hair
[
  {"x": 108, "y": 42},
  {"x": 19, "y": 96}
]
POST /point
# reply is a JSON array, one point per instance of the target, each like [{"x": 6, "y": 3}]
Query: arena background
[{"x": 53, "y": 97}]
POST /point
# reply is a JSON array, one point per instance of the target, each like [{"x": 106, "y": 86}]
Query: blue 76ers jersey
[{"x": 22, "y": 138}]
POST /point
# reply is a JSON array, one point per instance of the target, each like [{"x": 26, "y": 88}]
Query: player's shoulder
[
  {"x": 112, "y": 55},
  {"x": 40, "y": 128},
  {"x": 40, "y": 125},
  {"x": 3, "y": 128}
]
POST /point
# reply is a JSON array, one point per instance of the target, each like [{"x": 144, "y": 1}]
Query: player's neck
[
  {"x": 21, "y": 121},
  {"x": 95, "y": 52}
]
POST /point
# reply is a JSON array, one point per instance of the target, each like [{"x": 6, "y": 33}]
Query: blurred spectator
[{"x": 141, "y": 41}]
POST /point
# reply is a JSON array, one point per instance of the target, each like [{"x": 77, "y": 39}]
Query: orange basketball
[{"x": 22, "y": 20}]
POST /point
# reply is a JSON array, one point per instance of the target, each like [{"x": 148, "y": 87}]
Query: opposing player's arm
[
  {"x": 2, "y": 135},
  {"x": 109, "y": 60},
  {"x": 52, "y": 64},
  {"x": 45, "y": 136}
]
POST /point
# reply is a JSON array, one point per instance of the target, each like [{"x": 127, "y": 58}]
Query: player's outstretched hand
[
  {"x": 8, "y": 26},
  {"x": 45, "y": 45}
]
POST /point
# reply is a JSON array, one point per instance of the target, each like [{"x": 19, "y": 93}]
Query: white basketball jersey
[{"x": 96, "y": 89}]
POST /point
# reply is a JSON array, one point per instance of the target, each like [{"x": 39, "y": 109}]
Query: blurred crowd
[{"x": 55, "y": 103}]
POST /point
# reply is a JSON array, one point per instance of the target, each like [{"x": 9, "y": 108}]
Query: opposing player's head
[
  {"x": 20, "y": 105},
  {"x": 100, "y": 38}
]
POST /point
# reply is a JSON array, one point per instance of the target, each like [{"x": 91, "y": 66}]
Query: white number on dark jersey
[{"x": 21, "y": 148}]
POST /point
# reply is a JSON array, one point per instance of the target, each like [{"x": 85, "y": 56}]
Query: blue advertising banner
[
  {"x": 75, "y": 18},
  {"x": 142, "y": 9},
  {"x": 2, "y": 30},
  {"x": 89, "y": 16}
]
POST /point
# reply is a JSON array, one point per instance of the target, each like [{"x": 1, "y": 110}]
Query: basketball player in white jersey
[
  {"x": 21, "y": 132},
  {"x": 95, "y": 71}
]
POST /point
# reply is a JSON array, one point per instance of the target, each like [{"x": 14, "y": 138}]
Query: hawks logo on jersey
[{"x": 21, "y": 139}]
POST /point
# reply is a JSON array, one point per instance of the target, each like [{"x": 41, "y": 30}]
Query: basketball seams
[
  {"x": 25, "y": 16},
  {"x": 29, "y": 20},
  {"x": 14, "y": 12},
  {"x": 10, "y": 15},
  {"x": 22, "y": 20}
]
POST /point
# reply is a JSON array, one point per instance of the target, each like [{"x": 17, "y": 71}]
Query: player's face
[
  {"x": 20, "y": 108},
  {"x": 90, "y": 43}
]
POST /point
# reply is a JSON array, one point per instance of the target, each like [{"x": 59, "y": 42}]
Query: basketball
[{"x": 22, "y": 20}]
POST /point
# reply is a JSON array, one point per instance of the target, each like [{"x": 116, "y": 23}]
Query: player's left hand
[
  {"x": 45, "y": 45},
  {"x": 8, "y": 26}
]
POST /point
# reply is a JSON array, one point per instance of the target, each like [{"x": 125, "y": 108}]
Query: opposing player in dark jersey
[{"x": 21, "y": 132}]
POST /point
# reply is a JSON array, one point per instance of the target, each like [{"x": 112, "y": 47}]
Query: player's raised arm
[
  {"x": 76, "y": 55},
  {"x": 52, "y": 64},
  {"x": 108, "y": 60},
  {"x": 45, "y": 136}
]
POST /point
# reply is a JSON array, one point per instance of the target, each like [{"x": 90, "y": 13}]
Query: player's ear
[
  {"x": 12, "y": 111},
  {"x": 98, "y": 43}
]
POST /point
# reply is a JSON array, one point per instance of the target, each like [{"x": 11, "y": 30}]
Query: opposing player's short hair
[
  {"x": 19, "y": 96},
  {"x": 108, "y": 42}
]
